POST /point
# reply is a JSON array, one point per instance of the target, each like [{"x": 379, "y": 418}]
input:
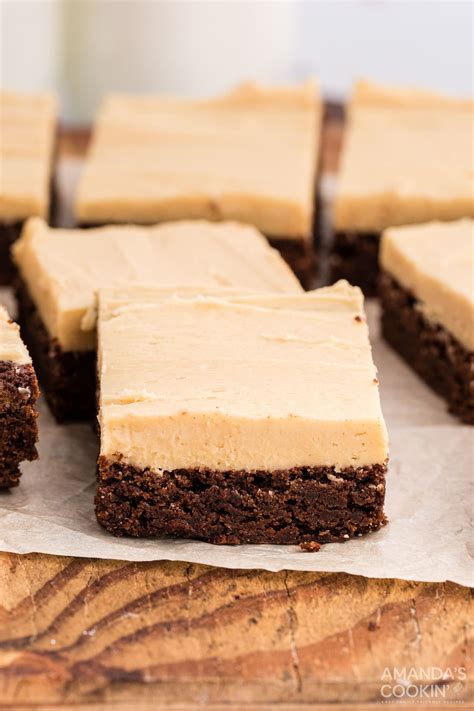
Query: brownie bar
[
  {"x": 285, "y": 507},
  {"x": 8, "y": 234},
  {"x": 355, "y": 258},
  {"x": 68, "y": 379},
  {"x": 18, "y": 420},
  {"x": 430, "y": 349}
]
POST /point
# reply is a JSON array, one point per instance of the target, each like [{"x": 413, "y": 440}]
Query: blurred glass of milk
[
  {"x": 29, "y": 45},
  {"x": 171, "y": 46}
]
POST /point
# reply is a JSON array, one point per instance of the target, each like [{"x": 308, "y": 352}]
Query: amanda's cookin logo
[{"x": 421, "y": 684}]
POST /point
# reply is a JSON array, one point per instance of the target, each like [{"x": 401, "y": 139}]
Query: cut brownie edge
[
  {"x": 354, "y": 257},
  {"x": 68, "y": 379},
  {"x": 233, "y": 507},
  {"x": 18, "y": 420},
  {"x": 443, "y": 363}
]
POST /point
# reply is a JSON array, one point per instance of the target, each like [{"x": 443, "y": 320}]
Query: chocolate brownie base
[
  {"x": 292, "y": 506},
  {"x": 300, "y": 257},
  {"x": 68, "y": 378},
  {"x": 355, "y": 258},
  {"x": 18, "y": 420},
  {"x": 430, "y": 349},
  {"x": 8, "y": 234}
]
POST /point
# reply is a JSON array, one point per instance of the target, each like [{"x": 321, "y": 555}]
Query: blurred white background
[{"x": 83, "y": 48}]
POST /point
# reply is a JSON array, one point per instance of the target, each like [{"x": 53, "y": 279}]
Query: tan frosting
[
  {"x": 27, "y": 132},
  {"x": 63, "y": 268},
  {"x": 247, "y": 382},
  {"x": 12, "y": 347},
  {"x": 436, "y": 263},
  {"x": 249, "y": 156},
  {"x": 408, "y": 157}
]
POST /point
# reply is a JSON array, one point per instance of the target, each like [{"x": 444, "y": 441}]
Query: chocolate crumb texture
[
  {"x": 308, "y": 505},
  {"x": 18, "y": 420}
]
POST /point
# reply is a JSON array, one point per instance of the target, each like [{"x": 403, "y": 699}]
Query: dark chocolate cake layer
[
  {"x": 18, "y": 420},
  {"x": 428, "y": 348},
  {"x": 8, "y": 234},
  {"x": 300, "y": 257},
  {"x": 285, "y": 507},
  {"x": 68, "y": 379},
  {"x": 355, "y": 257}
]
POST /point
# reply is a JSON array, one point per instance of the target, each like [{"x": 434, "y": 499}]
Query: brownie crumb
[
  {"x": 376, "y": 381},
  {"x": 372, "y": 626},
  {"x": 358, "y": 318},
  {"x": 310, "y": 546}
]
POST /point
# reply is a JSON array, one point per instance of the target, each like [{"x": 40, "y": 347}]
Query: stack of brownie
[{"x": 233, "y": 406}]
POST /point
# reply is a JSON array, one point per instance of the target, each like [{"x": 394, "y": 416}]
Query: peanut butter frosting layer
[
  {"x": 250, "y": 382},
  {"x": 12, "y": 347},
  {"x": 435, "y": 262},
  {"x": 27, "y": 135},
  {"x": 63, "y": 268},
  {"x": 407, "y": 158},
  {"x": 249, "y": 156}
]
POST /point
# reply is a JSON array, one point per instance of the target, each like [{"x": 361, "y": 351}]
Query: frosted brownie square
[
  {"x": 27, "y": 130},
  {"x": 239, "y": 419},
  {"x": 407, "y": 159},
  {"x": 427, "y": 293},
  {"x": 18, "y": 394},
  {"x": 60, "y": 270},
  {"x": 250, "y": 156}
]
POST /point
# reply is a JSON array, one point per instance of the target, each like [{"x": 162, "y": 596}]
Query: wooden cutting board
[{"x": 107, "y": 634}]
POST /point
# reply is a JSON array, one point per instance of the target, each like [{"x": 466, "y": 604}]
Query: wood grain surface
[
  {"x": 98, "y": 634},
  {"x": 79, "y": 630}
]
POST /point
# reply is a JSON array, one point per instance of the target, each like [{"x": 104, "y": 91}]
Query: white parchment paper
[{"x": 429, "y": 497}]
